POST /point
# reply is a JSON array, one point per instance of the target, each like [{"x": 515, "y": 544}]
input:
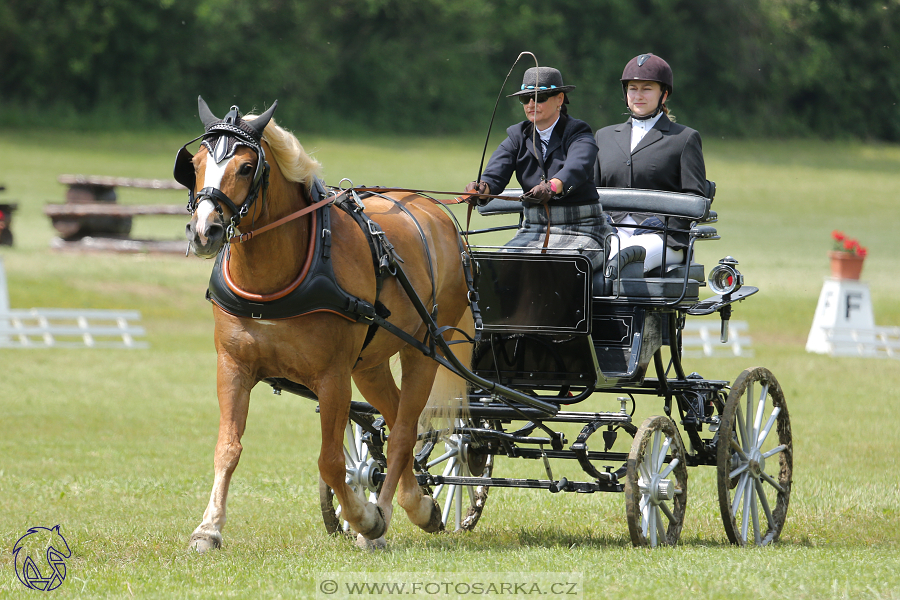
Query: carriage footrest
[{"x": 582, "y": 487}]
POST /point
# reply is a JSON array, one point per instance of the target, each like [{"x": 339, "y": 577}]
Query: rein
[
  {"x": 246, "y": 237},
  {"x": 459, "y": 199}
]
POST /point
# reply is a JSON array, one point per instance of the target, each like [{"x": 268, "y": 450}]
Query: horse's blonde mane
[{"x": 295, "y": 164}]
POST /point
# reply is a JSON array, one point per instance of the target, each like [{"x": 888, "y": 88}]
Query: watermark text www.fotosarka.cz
[{"x": 448, "y": 585}]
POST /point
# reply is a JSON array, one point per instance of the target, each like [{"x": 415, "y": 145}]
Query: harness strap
[
  {"x": 424, "y": 245},
  {"x": 383, "y": 256}
]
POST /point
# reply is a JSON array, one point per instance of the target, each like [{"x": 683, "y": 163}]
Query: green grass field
[{"x": 116, "y": 446}]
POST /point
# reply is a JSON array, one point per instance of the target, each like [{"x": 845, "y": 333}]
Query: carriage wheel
[
  {"x": 461, "y": 505},
  {"x": 361, "y": 468},
  {"x": 656, "y": 492},
  {"x": 755, "y": 468}
]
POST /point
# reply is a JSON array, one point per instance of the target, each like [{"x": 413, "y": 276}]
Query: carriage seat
[
  {"x": 671, "y": 204},
  {"x": 632, "y": 281},
  {"x": 624, "y": 276}
]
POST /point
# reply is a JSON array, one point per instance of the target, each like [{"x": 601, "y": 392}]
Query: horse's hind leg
[
  {"x": 234, "y": 401},
  {"x": 378, "y": 387},
  {"x": 334, "y": 410},
  {"x": 418, "y": 376}
]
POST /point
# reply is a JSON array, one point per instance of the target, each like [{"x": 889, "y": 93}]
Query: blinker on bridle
[{"x": 222, "y": 138}]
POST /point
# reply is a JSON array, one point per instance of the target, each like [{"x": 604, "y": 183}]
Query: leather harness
[{"x": 316, "y": 288}]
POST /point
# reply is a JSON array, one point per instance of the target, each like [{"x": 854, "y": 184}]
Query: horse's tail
[{"x": 448, "y": 401}]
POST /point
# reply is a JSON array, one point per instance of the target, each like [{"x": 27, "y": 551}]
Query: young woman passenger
[
  {"x": 554, "y": 164},
  {"x": 652, "y": 152}
]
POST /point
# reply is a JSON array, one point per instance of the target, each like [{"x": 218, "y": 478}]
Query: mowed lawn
[{"x": 116, "y": 446}]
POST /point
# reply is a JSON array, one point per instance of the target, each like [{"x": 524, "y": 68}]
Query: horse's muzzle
[{"x": 206, "y": 243}]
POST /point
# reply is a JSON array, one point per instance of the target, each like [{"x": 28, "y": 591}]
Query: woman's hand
[
  {"x": 475, "y": 190},
  {"x": 543, "y": 192}
]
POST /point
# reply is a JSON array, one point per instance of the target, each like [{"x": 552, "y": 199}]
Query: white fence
[
  {"x": 76, "y": 328},
  {"x": 66, "y": 328},
  {"x": 700, "y": 338},
  {"x": 877, "y": 342}
]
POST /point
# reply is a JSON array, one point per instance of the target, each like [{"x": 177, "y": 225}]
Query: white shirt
[
  {"x": 639, "y": 129},
  {"x": 545, "y": 137}
]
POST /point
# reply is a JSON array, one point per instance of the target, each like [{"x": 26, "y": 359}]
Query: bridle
[{"x": 222, "y": 139}]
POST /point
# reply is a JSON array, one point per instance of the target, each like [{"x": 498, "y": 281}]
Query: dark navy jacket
[{"x": 570, "y": 158}]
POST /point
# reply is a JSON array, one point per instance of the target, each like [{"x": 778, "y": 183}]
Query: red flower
[{"x": 844, "y": 244}]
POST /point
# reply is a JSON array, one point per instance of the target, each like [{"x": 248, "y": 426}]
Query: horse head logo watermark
[{"x": 40, "y": 557}]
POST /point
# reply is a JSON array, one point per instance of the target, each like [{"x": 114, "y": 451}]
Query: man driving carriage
[{"x": 552, "y": 156}]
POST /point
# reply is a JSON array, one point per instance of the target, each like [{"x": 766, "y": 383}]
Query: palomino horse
[{"x": 234, "y": 190}]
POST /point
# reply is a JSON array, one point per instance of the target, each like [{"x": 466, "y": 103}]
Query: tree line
[{"x": 782, "y": 68}]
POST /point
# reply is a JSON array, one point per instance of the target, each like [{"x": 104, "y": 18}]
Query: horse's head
[{"x": 224, "y": 178}]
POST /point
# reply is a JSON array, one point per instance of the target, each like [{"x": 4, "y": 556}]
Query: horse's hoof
[
  {"x": 436, "y": 523},
  {"x": 379, "y": 529},
  {"x": 202, "y": 543},
  {"x": 372, "y": 545}
]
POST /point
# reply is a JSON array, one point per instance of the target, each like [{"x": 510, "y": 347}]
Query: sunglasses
[{"x": 541, "y": 98}]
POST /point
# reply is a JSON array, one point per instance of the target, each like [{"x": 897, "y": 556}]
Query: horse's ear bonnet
[{"x": 221, "y": 138}]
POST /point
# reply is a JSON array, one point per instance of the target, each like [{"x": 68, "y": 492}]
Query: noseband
[{"x": 222, "y": 138}]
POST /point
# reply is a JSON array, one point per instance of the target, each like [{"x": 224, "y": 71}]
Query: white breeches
[{"x": 652, "y": 243}]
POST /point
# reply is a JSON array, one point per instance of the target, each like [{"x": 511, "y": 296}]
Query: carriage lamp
[{"x": 725, "y": 279}]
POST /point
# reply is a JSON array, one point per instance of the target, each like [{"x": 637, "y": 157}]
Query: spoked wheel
[
  {"x": 455, "y": 455},
  {"x": 755, "y": 459},
  {"x": 656, "y": 484},
  {"x": 361, "y": 469}
]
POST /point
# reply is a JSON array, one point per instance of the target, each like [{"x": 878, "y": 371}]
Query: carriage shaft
[{"x": 583, "y": 487}]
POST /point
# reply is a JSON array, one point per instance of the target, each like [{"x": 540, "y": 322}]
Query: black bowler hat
[{"x": 543, "y": 80}]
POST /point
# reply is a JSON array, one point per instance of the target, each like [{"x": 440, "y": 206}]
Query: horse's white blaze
[
  {"x": 212, "y": 177},
  {"x": 214, "y": 172},
  {"x": 204, "y": 210}
]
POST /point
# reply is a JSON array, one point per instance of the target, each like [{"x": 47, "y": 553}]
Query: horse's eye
[{"x": 246, "y": 170}]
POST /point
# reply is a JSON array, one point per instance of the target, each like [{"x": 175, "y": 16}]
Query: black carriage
[{"x": 556, "y": 342}]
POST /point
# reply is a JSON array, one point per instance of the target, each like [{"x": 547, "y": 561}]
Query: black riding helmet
[{"x": 648, "y": 67}]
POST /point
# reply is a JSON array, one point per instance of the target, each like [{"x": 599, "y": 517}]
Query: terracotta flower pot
[{"x": 846, "y": 265}]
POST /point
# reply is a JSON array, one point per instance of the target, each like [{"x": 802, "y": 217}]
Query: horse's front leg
[
  {"x": 233, "y": 388},
  {"x": 364, "y": 517}
]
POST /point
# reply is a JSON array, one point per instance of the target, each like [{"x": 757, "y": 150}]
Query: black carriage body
[
  {"x": 634, "y": 316},
  {"x": 547, "y": 293},
  {"x": 553, "y": 335},
  {"x": 529, "y": 340}
]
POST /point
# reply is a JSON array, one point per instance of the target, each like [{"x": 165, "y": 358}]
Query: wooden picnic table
[
  {"x": 91, "y": 210},
  {"x": 98, "y": 188},
  {"x": 6, "y": 211}
]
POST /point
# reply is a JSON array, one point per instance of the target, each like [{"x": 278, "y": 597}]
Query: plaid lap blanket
[{"x": 578, "y": 228}]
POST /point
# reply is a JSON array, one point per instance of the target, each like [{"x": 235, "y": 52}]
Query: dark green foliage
[{"x": 742, "y": 67}]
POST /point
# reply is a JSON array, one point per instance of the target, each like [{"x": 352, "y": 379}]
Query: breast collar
[{"x": 314, "y": 290}]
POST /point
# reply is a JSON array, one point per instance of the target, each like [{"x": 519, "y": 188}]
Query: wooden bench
[{"x": 91, "y": 219}]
